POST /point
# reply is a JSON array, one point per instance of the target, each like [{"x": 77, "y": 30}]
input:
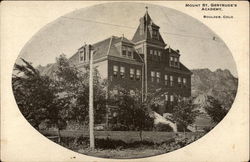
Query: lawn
[
  {"x": 126, "y": 136},
  {"x": 124, "y": 144}
]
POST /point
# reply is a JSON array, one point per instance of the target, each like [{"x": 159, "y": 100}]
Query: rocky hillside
[{"x": 220, "y": 84}]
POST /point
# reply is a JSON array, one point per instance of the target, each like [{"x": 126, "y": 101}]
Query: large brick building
[{"x": 142, "y": 64}]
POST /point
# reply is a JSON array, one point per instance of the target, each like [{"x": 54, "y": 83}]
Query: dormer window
[
  {"x": 82, "y": 55},
  {"x": 124, "y": 52},
  {"x": 171, "y": 61},
  {"x": 127, "y": 52},
  {"x": 155, "y": 33},
  {"x": 174, "y": 61}
]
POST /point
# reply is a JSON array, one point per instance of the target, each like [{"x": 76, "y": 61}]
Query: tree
[
  {"x": 56, "y": 99},
  {"x": 184, "y": 113},
  {"x": 132, "y": 113},
  {"x": 143, "y": 121},
  {"x": 34, "y": 93},
  {"x": 73, "y": 85},
  {"x": 215, "y": 109}
]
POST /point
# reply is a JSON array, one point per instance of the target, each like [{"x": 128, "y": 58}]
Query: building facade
[{"x": 143, "y": 64}]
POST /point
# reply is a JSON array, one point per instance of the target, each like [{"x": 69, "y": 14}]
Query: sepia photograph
[{"x": 124, "y": 80}]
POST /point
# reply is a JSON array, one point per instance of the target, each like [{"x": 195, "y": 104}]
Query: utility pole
[
  {"x": 91, "y": 95},
  {"x": 145, "y": 56}
]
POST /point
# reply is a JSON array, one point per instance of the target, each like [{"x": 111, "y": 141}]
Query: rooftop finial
[
  {"x": 122, "y": 37},
  {"x": 146, "y": 8}
]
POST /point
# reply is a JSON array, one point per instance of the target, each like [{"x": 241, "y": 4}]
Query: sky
[{"x": 199, "y": 46}]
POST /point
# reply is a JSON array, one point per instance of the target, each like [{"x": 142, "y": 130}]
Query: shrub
[
  {"x": 118, "y": 127},
  {"x": 163, "y": 127},
  {"x": 207, "y": 129}
]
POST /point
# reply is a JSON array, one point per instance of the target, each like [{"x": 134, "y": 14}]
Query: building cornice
[
  {"x": 125, "y": 60},
  {"x": 114, "y": 58},
  {"x": 177, "y": 71}
]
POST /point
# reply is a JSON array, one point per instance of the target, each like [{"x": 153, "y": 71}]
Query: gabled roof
[
  {"x": 184, "y": 68},
  {"x": 145, "y": 24},
  {"x": 123, "y": 39}
]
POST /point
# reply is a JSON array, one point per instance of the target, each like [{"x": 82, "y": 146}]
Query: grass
[
  {"x": 126, "y": 136},
  {"x": 125, "y": 144}
]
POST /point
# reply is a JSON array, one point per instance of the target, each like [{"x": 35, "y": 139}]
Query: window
[
  {"x": 129, "y": 52},
  {"x": 179, "y": 81},
  {"x": 151, "y": 52},
  {"x": 171, "y": 80},
  {"x": 152, "y": 76},
  {"x": 166, "y": 97},
  {"x": 139, "y": 50},
  {"x": 184, "y": 81},
  {"x": 115, "y": 70},
  {"x": 124, "y": 51},
  {"x": 158, "y": 76},
  {"x": 155, "y": 33},
  {"x": 81, "y": 56},
  {"x": 132, "y": 73},
  {"x": 176, "y": 62},
  {"x": 84, "y": 56},
  {"x": 90, "y": 55},
  {"x": 141, "y": 29},
  {"x": 155, "y": 52},
  {"x": 166, "y": 79},
  {"x": 122, "y": 72},
  {"x": 171, "y": 61},
  {"x": 171, "y": 98},
  {"x": 138, "y": 74},
  {"x": 159, "y": 53}
]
